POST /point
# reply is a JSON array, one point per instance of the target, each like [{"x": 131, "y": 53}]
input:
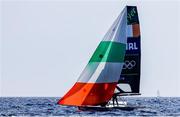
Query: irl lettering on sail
[{"x": 131, "y": 46}]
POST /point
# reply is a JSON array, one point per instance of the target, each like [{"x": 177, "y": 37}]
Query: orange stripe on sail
[
  {"x": 88, "y": 94},
  {"x": 136, "y": 30}
]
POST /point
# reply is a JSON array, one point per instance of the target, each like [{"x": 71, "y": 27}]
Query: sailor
[{"x": 116, "y": 94}]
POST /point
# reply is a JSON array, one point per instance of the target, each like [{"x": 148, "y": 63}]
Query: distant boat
[
  {"x": 113, "y": 70},
  {"x": 158, "y": 93}
]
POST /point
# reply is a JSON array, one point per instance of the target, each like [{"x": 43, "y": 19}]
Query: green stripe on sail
[{"x": 109, "y": 51}]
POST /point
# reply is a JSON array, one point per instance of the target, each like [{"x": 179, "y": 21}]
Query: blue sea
[{"x": 47, "y": 106}]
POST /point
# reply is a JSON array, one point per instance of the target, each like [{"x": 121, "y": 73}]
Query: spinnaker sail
[{"x": 97, "y": 82}]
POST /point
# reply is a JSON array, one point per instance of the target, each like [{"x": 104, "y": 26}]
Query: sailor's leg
[
  {"x": 116, "y": 101},
  {"x": 113, "y": 100}
]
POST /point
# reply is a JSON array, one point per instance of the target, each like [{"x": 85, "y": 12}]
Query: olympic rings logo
[{"x": 129, "y": 64}]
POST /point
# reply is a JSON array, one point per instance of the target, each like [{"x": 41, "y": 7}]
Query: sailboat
[{"x": 114, "y": 68}]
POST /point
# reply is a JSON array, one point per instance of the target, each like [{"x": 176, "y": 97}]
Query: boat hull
[{"x": 98, "y": 108}]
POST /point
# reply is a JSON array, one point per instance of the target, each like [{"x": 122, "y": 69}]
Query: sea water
[{"x": 47, "y": 106}]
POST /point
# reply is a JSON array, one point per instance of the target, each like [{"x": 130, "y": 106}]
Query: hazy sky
[{"x": 45, "y": 45}]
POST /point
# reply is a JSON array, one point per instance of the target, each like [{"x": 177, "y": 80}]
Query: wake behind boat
[{"x": 113, "y": 70}]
